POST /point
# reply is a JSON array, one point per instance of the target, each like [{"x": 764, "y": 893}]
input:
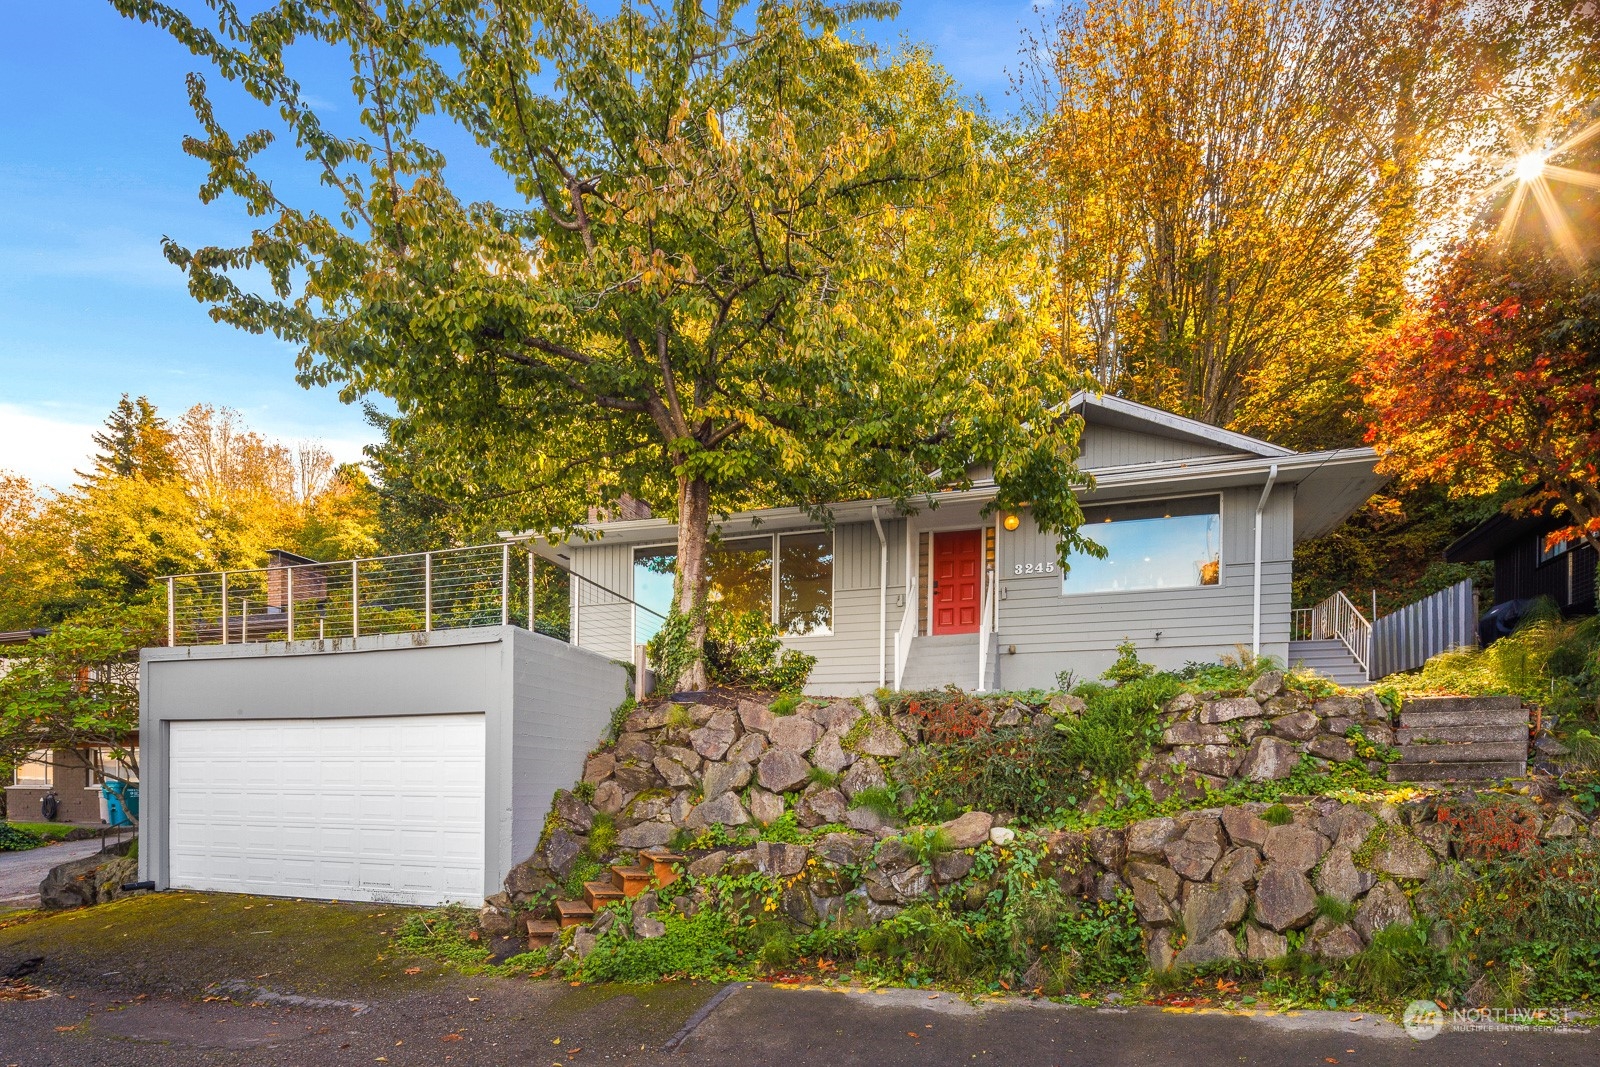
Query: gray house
[{"x": 1200, "y": 526}]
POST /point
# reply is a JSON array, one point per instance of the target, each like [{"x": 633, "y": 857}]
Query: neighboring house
[
  {"x": 1200, "y": 526},
  {"x": 1527, "y": 568}
]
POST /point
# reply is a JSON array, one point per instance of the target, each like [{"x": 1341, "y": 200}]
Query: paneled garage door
[{"x": 387, "y": 809}]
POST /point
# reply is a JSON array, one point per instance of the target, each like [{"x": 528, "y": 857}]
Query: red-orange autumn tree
[{"x": 1495, "y": 379}]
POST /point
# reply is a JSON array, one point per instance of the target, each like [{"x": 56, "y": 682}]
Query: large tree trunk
[{"x": 694, "y": 519}]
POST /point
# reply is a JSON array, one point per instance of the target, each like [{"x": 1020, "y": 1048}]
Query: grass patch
[
  {"x": 1278, "y": 815},
  {"x": 824, "y": 777},
  {"x": 786, "y": 703},
  {"x": 1335, "y": 909},
  {"x": 881, "y": 800}
]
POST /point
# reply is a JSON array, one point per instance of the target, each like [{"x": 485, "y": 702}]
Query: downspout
[
  {"x": 883, "y": 596},
  {"x": 1266, "y": 491}
]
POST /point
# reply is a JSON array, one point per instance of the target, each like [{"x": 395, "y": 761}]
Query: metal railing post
[
  {"x": 355, "y": 598},
  {"x": 427, "y": 592},
  {"x": 172, "y": 600},
  {"x": 505, "y": 583},
  {"x": 288, "y": 596},
  {"x": 532, "y": 618},
  {"x": 244, "y": 623},
  {"x": 224, "y": 607}
]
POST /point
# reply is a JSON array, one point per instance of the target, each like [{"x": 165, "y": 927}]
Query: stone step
[
  {"x": 1456, "y": 772},
  {"x": 1478, "y": 704},
  {"x": 542, "y": 933},
  {"x": 1461, "y": 734},
  {"x": 1479, "y": 752},
  {"x": 1424, "y": 719},
  {"x": 598, "y": 894},
  {"x": 574, "y": 912},
  {"x": 631, "y": 881}
]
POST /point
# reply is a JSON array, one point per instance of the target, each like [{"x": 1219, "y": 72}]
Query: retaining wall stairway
[
  {"x": 654, "y": 870},
  {"x": 1461, "y": 738}
]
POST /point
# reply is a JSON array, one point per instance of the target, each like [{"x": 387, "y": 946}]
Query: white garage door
[{"x": 387, "y": 809}]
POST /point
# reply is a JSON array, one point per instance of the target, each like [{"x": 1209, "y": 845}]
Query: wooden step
[
  {"x": 631, "y": 881},
  {"x": 1481, "y": 752},
  {"x": 542, "y": 933},
  {"x": 661, "y": 864},
  {"x": 1456, "y": 772},
  {"x": 1456, "y": 735},
  {"x": 599, "y": 894},
  {"x": 574, "y": 912}
]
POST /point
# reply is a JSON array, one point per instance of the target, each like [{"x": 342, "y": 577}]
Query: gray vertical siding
[
  {"x": 1051, "y": 632},
  {"x": 1111, "y": 446},
  {"x": 602, "y": 618},
  {"x": 561, "y": 698}
]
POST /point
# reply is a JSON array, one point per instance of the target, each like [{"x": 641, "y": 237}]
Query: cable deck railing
[{"x": 446, "y": 589}]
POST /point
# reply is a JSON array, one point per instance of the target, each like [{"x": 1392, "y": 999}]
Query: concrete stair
[
  {"x": 1330, "y": 658},
  {"x": 656, "y": 868},
  {"x": 947, "y": 659},
  {"x": 1461, "y": 739}
]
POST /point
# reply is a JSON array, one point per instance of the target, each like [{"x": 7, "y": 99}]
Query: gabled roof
[
  {"x": 1485, "y": 540},
  {"x": 1107, "y": 410}
]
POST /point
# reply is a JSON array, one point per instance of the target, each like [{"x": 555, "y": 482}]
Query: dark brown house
[{"x": 1525, "y": 568}]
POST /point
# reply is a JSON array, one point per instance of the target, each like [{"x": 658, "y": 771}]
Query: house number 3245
[{"x": 1035, "y": 568}]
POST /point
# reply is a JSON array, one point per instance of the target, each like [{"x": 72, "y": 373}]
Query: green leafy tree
[
  {"x": 743, "y": 262},
  {"x": 76, "y": 690},
  {"x": 136, "y": 441}
]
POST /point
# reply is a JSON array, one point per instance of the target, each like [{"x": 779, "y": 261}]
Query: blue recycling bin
[{"x": 121, "y": 799}]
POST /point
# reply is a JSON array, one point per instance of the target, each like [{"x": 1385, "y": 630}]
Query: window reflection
[{"x": 1158, "y": 545}]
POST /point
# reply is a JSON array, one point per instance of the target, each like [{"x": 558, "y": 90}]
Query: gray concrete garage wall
[{"x": 545, "y": 706}]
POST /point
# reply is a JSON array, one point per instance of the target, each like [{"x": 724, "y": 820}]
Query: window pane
[
  {"x": 739, "y": 573},
  {"x": 1171, "y": 545},
  {"x": 805, "y": 583},
  {"x": 652, "y": 588}
]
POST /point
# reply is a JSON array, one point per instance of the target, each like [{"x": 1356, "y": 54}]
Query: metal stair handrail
[{"x": 1338, "y": 618}]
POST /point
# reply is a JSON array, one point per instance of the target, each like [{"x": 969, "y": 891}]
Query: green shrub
[
  {"x": 786, "y": 703},
  {"x": 444, "y": 934},
  {"x": 744, "y": 649},
  {"x": 699, "y": 946},
  {"x": 824, "y": 777},
  {"x": 1128, "y": 667},
  {"x": 602, "y": 836},
  {"x": 922, "y": 940},
  {"x": 1007, "y": 770},
  {"x": 1278, "y": 815},
  {"x": 1118, "y": 725},
  {"x": 881, "y": 800},
  {"x": 17, "y": 839},
  {"x": 1398, "y": 965}
]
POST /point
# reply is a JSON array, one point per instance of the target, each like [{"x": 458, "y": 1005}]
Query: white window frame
[
  {"x": 772, "y": 593},
  {"x": 1222, "y": 541}
]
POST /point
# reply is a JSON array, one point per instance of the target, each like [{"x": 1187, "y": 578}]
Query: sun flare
[{"x": 1529, "y": 166}]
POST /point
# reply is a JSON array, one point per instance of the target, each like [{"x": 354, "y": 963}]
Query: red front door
[{"x": 957, "y": 581}]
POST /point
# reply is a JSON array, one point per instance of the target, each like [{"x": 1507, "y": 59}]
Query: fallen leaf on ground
[
  {"x": 451, "y": 1037},
  {"x": 413, "y": 970}
]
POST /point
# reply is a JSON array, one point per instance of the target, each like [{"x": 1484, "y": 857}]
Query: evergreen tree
[{"x": 135, "y": 443}]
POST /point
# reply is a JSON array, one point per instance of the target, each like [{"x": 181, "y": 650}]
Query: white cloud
[{"x": 44, "y": 449}]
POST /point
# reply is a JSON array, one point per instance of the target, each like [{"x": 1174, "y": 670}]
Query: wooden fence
[{"x": 1404, "y": 640}]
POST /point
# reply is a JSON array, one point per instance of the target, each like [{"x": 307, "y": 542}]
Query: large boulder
[
  {"x": 748, "y": 748},
  {"x": 724, "y": 810},
  {"x": 645, "y": 835},
  {"x": 865, "y": 773},
  {"x": 820, "y": 807},
  {"x": 1210, "y": 908},
  {"x": 795, "y": 733},
  {"x": 1149, "y": 837},
  {"x": 561, "y": 852},
  {"x": 779, "y": 860},
  {"x": 1284, "y": 898},
  {"x": 1245, "y": 827},
  {"x": 1194, "y": 733},
  {"x": 610, "y": 797},
  {"x": 783, "y": 769},
  {"x": 837, "y": 717},
  {"x": 1219, "y": 711},
  {"x": 713, "y": 740},
  {"x": 1332, "y": 941},
  {"x": 1301, "y": 726},
  {"x": 1263, "y": 944},
  {"x": 1154, "y": 889},
  {"x": 969, "y": 830},
  {"x": 1269, "y": 759},
  {"x": 1339, "y": 877},
  {"x": 726, "y": 777},
  {"x": 1297, "y": 847},
  {"x": 1197, "y": 851},
  {"x": 94, "y": 879},
  {"x": 577, "y": 815},
  {"x": 1238, "y": 866},
  {"x": 766, "y": 808},
  {"x": 1329, "y": 747},
  {"x": 1266, "y": 686},
  {"x": 1218, "y": 761},
  {"x": 756, "y": 716},
  {"x": 881, "y": 739},
  {"x": 1385, "y": 906},
  {"x": 830, "y": 755},
  {"x": 673, "y": 773},
  {"x": 1215, "y": 946},
  {"x": 599, "y": 767},
  {"x": 1403, "y": 855}
]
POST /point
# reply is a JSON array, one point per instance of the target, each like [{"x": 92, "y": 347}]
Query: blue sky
[{"x": 92, "y": 176}]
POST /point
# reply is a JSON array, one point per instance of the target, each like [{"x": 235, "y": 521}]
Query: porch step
[
  {"x": 542, "y": 933},
  {"x": 1457, "y": 772},
  {"x": 1331, "y": 659},
  {"x": 574, "y": 912},
  {"x": 661, "y": 865},
  {"x": 598, "y": 894},
  {"x": 944, "y": 659},
  {"x": 630, "y": 881}
]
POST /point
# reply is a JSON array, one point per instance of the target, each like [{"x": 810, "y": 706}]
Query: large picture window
[
  {"x": 789, "y": 577},
  {"x": 1173, "y": 544}
]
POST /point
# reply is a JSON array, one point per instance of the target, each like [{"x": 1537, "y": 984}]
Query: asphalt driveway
[
  {"x": 189, "y": 979},
  {"x": 21, "y": 872}
]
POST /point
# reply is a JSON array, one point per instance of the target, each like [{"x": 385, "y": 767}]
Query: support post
[
  {"x": 505, "y": 583},
  {"x": 532, "y": 603},
  {"x": 288, "y": 597},
  {"x": 355, "y": 598},
  {"x": 172, "y": 602},
  {"x": 883, "y": 596},
  {"x": 1255, "y": 629},
  {"x": 427, "y": 592},
  {"x": 224, "y": 607}
]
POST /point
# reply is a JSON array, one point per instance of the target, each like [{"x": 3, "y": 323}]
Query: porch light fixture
[{"x": 1012, "y": 521}]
